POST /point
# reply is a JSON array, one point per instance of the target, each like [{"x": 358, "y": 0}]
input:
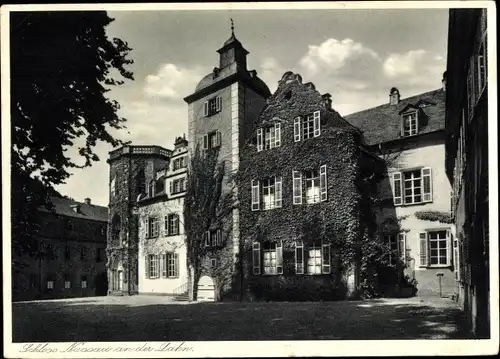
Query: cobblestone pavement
[{"x": 155, "y": 318}]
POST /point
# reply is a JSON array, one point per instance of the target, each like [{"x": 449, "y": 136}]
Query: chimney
[
  {"x": 327, "y": 99},
  {"x": 443, "y": 81},
  {"x": 87, "y": 201},
  {"x": 394, "y": 96}
]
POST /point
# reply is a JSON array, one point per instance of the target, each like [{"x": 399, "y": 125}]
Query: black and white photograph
[{"x": 247, "y": 179}]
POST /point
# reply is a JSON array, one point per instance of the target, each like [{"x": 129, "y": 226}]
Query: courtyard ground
[{"x": 149, "y": 318}]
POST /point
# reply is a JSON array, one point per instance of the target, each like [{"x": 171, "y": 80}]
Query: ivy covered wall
[{"x": 335, "y": 221}]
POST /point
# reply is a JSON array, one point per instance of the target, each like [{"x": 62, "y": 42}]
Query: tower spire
[{"x": 232, "y": 27}]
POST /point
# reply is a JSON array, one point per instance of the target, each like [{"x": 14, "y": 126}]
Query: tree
[
  {"x": 62, "y": 66},
  {"x": 207, "y": 203}
]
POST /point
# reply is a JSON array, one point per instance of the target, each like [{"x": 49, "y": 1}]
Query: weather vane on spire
[{"x": 232, "y": 26}]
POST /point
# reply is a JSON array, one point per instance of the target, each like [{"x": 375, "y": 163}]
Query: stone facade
[
  {"x": 131, "y": 168},
  {"x": 71, "y": 261}
]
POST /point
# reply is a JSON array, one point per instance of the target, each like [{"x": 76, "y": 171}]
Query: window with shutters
[
  {"x": 178, "y": 186},
  {"x": 436, "y": 248},
  {"x": 267, "y": 193},
  {"x": 152, "y": 266},
  {"x": 396, "y": 247},
  {"x": 305, "y": 127},
  {"x": 317, "y": 257},
  {"x": 315, "y": 183},
  {"x": 269, "y": 137},
  {"x": 179, "y": 163},
  {"x": 152, "y": 227},
  {"x": 410, "y": 124},
  {"x": 270, "y": 255},
  {"x": 213, "y": 238},
  {"x": 212, "y": 106},
  {"x": 412, "y": 186},
  {"x": 172, "y": 224},
  {"x": 170, "y": 265},
  {"x": 212, "y": 140}
]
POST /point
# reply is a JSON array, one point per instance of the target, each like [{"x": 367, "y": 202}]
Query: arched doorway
[{"x": 206, "y": 289}]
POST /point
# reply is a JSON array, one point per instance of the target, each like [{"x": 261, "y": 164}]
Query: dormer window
[
  {"x": 410, "y": 124},
  {"x": 212, "y": 106}
]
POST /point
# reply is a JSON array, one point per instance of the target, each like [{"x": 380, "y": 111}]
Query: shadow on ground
[{"x": 98, "y": 321}]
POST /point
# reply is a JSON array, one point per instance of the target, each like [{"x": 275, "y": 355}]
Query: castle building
[
  {"x": 162, "y": 250},
  {"x": 466, "y": 159},
  {"x": 71, "y": 260},
  {"x": 409, "y": 134},
  {"x": 131, "y": 168}
]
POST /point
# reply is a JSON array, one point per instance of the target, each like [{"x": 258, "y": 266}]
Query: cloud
[
  {"x": 172, "y": 82},
  {"x": 271, "y": 72},
  {"x": 415, "y": 67},
  {"x": 334, "y": 54}
]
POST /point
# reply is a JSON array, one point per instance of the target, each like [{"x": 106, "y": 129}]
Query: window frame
[
  {"x": 212, "y": 106},
  {"x": 152, "y": 227},
  {"x": 425, "y": 248},
  {"x": 399, "y": 186},
  {"x": 153, "y": 266},
  {"x": 412, "y": 130},
  {"x": 172, "y": 222}
]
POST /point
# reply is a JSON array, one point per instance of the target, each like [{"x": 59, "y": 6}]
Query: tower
[
  {"x": 131, "y": 168},
  {"x": 221, "y": 113}
]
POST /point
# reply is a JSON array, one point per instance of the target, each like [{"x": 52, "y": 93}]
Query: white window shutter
[
  {"x": 255, "y": 195},
  {"x": 402, "y": 246},
  {"x": 147, "y": 266},
  {"x": 218, "y": 138},
  {"x": 427, "y": 184},
  {"x": 397, "y": 188},
  {"x": 259, "y": 139},
  {"x": 317, "y": 123},
  {"x": 205, "y": 109},
  {"x": 256, "y": 258},
  {"x": 219, "y": 237},
  {"x": 207, "y": 238},
  {"x": 279, "y": 257},
  {"x": 205, "y": 142},
  {"x": 277, "y": 133},
  {"x": 424, "y": 257},
  {"x": 449, "y": 247},
  {"x": 296, "y": 129},
  {"x": 323, "y": 183},
  {"x": 167, "y": 225},
  {"x": 218, "y": 103},
  {"x": 299, "y": 258},
  {"x": 147, "y": 227},
  {"x": 297, "y": 187},
  {"x": 278, "y": 191},
  {"x": 326, "y": 259}
]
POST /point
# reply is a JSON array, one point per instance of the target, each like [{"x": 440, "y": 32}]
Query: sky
[{"x": 355, "y": 55}]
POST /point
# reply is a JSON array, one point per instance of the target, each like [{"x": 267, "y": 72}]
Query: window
[
  {"x": 152, "y": 227},
  {"x": 213, "y": 263},
  {"x": 317, "y": 257},
  {"x": 152, "y": 189},
  {"x": 180, "y": 163},
  {"x": 269, "y": 137},
  {"x": 170, "y": 265},
  {"x": 140, "y": 181},
  {"x": 477, "y": 74},
  {"x": 84, "y": 282},
  {"x": 152, "y": 266},
  {"x": 396, "y": 247},
  {"x": 312, "y": 186},
  {"x": 67, "y": 282},
  {"x": 213, "y": 238},
  {"x": 315, "y": 183},
  {"x": 271, "y": 193},
  {"x": 212, "y": 106},
  {"x": 412, "y": 186},
  {"x": 50, "y": 282},
  {"x": 410, "y": 124},
  {"x": 83, "y": 253},
  {"x": 178, "y": 185},
  {"x": 112, "y": 186},
  {"x": 212, "y": 140},
  {"x": 172, "y": 224},
  {"x": 435, "y": 248},
  {"x": 272, "y": 258},
  {"x": 307, "y": 126}
]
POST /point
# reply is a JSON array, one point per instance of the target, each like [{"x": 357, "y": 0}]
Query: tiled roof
[
  {"x": 383, "y": 123},
  {"x": 62, "y": 206}
]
